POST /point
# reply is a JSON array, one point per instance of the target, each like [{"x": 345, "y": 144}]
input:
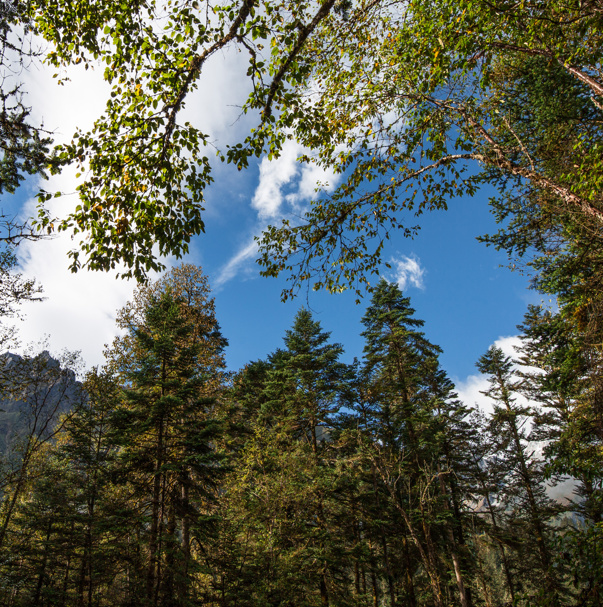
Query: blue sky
[
  {"x": 456, "y": 284},
  {"x": 465, "y": 298}
]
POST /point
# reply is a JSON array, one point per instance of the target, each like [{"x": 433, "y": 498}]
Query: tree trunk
[
  {"x": 408, "y": 578},
  {"x": 434, "y": 578},
  {"x": 501, "y": 545},
  {"x": 186, "y": 544},
  {"x": 42, "y": 573},
  {"x": 465, "y": 601},
  {"x": 154, "y": 531},
  {"x": 390, "y": 580},
  {"x": 324, "y": 595}
]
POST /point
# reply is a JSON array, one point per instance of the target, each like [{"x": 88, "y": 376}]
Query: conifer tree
[
  {"x": 309, "y": 380},
  {"x": 486, "y": 478},
  {"x": 405, "y": 445},
  {"x": 87, "y": 449},
  {"x": 284, "y": 491},
  {"x": 558, "y": 375},
  {"x": 523, "y": 491},
  {"x": 168, "y": 429},
  {"x": 164, "y": 434}
]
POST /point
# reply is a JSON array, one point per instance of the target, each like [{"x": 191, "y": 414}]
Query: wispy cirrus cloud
[
  {"x": 408, "y": 272},
  {"x": 246, "y": 253}
]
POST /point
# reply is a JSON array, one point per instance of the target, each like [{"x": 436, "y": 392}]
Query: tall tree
[
  {"x": 523, "y": 491},
  {"x": 561, "y": 375},
  {"x": 165, "y": 434},
  {"x": 408, "y": 393}
]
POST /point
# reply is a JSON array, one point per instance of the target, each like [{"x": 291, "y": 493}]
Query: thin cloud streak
[{"x": 234, "y": 265}]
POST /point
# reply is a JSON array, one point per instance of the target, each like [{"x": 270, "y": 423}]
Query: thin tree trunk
[
  {"x": 324, "y": 594},
  {"x": 501, "y": 545},
  {"x": 13, "y": 502},
  {"x": 358, "y": 535},
  {"x": 434, "y": 580},
  {"x": 160, "y": 542},
  {"x": 465, "y": 602},
  {"x": 153, "y": 534},
  {"x": 42, "y": 573},
  {"x": 534, "y": 514},
  {"x": 169, "y": 589},
  {"x": 374, "y": 578},
  {"x": 82, "y": 577},
  {"x": 186, "y": 544},
  {"x": 482, "y": 578},
  {"x": 375, "y": 589},
  {"x": 459, "y": 536},
  {"x": 390, "y": 581},
  {"x": 66, "y": 581},
  {"x": 408, "y": 579}
]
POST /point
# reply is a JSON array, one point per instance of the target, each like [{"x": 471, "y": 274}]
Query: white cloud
[
  {"x": 271, "y": 202},
  {"x": 284, "y": 171},
  {"x": 80, "y": 309},
  {"x": 215, "y": 107},
  {"x": 234, "y": 265},
  {"x": 79, "y": 313},
  {"x": 508, "y": 345},
  {"x": 274, "y": 175},
  {"x": 408, "y": 272},
  {"x": 312, "y": 176},
  {"x": 470, "y": 390}
]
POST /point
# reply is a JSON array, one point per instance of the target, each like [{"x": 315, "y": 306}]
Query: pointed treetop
[{"x": 390, "y": 318}]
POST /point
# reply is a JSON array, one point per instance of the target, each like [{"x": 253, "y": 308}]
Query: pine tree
[
  {"x": 308, "y": 380},
  {"x": 87, "y": 449},
  {"x": 165, "y": 435},
  {"x": 283, "y": 492},
  {"x": 557, "y": 375},
  {"x": 170, "y": 362}
]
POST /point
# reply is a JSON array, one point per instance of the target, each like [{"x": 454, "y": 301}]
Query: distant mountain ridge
[{"x": 34, "y": 393}]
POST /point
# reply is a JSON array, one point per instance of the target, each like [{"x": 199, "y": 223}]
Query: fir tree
[
  {"x": 165, "y": 433},
  {"x": 523, "y": 491},
  {"x": 405, "y": 442}
]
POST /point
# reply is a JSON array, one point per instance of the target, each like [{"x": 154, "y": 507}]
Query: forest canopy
[{"x": 163, "y": 480}]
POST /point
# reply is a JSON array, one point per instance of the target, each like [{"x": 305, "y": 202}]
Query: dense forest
[
  {"x": 299, "y": 480},
  {"x": 160, "y": 479}
]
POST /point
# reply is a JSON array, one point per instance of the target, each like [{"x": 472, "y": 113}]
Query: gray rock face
[{"x": 35, "y": 392}]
